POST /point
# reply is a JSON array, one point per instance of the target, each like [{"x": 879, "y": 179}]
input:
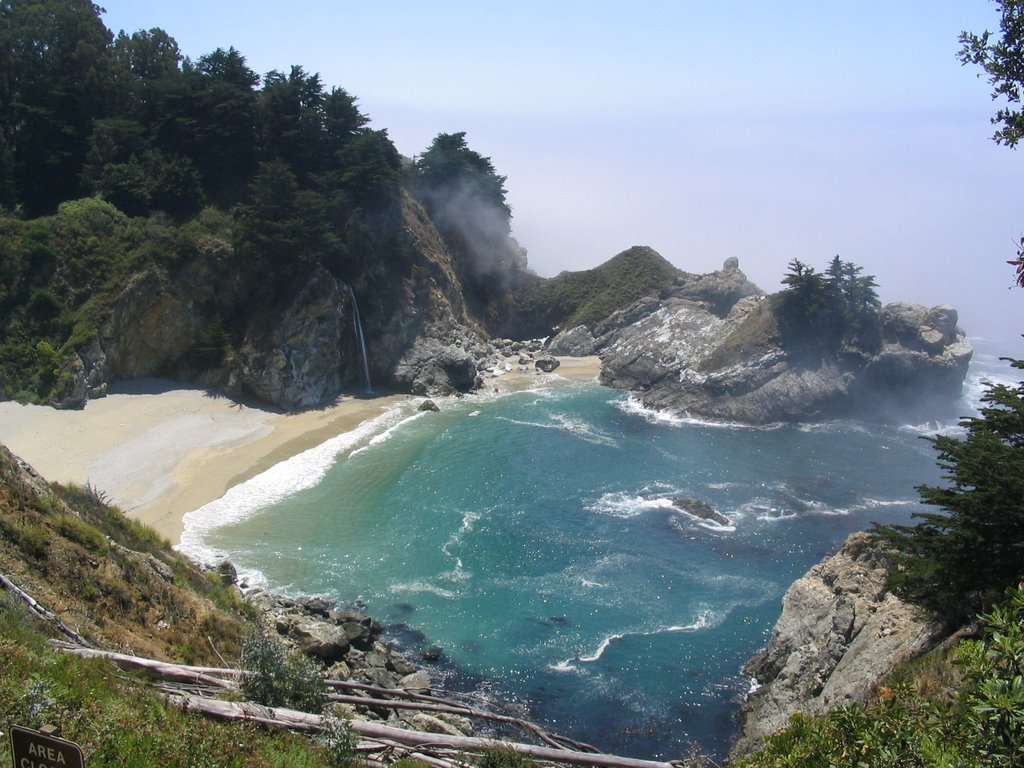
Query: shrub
[
  {"x": 278, "y": 678},
  {"x": 339, "y": 741},
  {"x": 499, "y": 756},
  {"x": 33, "y": 541},
  {"x": 77, "y": 530}
]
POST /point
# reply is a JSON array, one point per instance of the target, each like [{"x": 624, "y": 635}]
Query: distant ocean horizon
[{"x": 531, "y": 538}]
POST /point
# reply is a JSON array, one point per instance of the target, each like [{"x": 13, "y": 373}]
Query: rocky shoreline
[
  {"x": 839, "y": 634},
  {"x": 347, "y": 644}
]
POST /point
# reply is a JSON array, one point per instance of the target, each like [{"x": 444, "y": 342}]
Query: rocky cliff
[
  {"x": 295, "y": 346},
  {"x": 839, "y": 634},
  {"x": 711, "y": 347}
]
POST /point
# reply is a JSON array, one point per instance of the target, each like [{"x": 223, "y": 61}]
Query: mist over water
[{"x": 532, "y": 538}]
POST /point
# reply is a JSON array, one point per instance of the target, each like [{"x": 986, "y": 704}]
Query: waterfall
[{"x": 357, "y": 321}]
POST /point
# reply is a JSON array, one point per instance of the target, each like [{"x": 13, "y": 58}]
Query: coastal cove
[
  {"x": 530, "y": 537},
  {"x": 528, "y": 533}
]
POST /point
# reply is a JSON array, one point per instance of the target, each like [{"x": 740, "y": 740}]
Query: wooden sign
[{"x": 32, "y": 749}]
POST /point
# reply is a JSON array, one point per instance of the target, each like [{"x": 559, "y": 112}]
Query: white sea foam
[
  {"x": 584, "y": 430},
  {"x": 706, "y": 619},
  {"x": 422, "y": 587},
  {"x": 626, "y": 505},
  {"x": 387, "y": 434},
  {"x": 459, "y": 573},
  {"x": 633, "y": 407},
  {"x": 700, "y": 522},
  {"x": 300, "y": 472},
  {"x": 564, "y": 423}
]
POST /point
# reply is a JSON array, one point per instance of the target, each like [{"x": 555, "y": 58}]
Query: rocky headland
[
  {"x": 711, "y": 347},
  {"x": 839, "y": 634}
]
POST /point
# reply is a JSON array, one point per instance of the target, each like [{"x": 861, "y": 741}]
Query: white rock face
[{"x": 839, "y": 634}]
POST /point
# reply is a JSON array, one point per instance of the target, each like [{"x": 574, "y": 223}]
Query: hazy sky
[{"x": 762, "y": 130}]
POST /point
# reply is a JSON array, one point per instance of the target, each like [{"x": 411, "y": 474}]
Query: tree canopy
[
  {"x": 1002, "y": 59},
  {"x": 959, "y": 560},
  {"x": 819, "y": 312}
]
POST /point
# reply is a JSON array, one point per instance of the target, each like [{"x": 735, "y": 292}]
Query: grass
[
  {"x": 587, "y": 297},
  {"x": 117, "y": 719}
]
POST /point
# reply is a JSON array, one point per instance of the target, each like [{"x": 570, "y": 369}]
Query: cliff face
[
  {"x": 423, "y": 339},
  {"x": 296, "y": 346},
  {"x": 839, "y": 634},
  {"x": 712, "y": 348}
]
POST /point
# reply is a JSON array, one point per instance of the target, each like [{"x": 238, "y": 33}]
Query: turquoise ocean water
[{"x": 530, "y": 537}]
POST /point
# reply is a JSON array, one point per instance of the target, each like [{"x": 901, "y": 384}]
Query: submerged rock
[{"x": 701, "y": 509}]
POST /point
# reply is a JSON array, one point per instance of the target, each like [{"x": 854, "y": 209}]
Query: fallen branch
[
  {"x": 162, "y": 670},
  {"x": 455, "y": 708},
  {"x": 559, "y": 749},
  {"x": 426, "y": 742},
  {"x": 41, "y": 612}
]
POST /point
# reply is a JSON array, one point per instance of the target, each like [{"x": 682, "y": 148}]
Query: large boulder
[
  {"x": 314, "y": 637},
  {"x": 840, "y": 632},
  {"x": 575, "y": 342},
  {"x": 431, "y": 367},
  {"x": 546, "y": 363}
]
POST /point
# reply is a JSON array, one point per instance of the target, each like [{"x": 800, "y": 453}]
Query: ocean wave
[
  {"x": 298, "y": 473},
  {"x": 565, "y": 423},
  {"x": 584, "y": 430},
  {"x": 770, "y": 511},
  {"x": 947, "y": 428},
  {"x": 422, "y": 587},
  {"x": 379, "y": 439},
  {"x": 706, "y": 619},
  {"x": 633, "y": 407},
  {"x": 836, "y": 426},
  {"x": 626, "y": 505},
  {"x": 710, "y": 525}
]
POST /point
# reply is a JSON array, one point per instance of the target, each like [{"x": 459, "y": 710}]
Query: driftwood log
[
  {"x": 439, "y": 750},
  {"x": 290, "y": 718},
  {"x": 40, "y": 611}
]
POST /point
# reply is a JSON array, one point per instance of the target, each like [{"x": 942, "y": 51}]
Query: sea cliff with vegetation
[
  {"x": 192, "y": 220},
  {"x": 189, "y": 219}
]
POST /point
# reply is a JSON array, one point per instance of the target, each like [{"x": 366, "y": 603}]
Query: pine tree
[{"x": 960, "y": 561}]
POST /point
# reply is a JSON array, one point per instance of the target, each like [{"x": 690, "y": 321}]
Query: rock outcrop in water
[
  {"x": 712, "y": 348},
  {"x": 839, "y": 634}
]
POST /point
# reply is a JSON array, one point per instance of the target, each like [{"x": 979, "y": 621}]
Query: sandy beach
[{"x": 159, "y": 449}]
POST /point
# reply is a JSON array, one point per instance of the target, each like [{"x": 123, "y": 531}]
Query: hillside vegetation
[
  {"x": 119, "y": 586},
  {"x": 589, "y": 296}
]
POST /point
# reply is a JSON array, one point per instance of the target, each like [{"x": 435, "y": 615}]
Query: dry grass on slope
[{"x": 108, "y": 578}]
